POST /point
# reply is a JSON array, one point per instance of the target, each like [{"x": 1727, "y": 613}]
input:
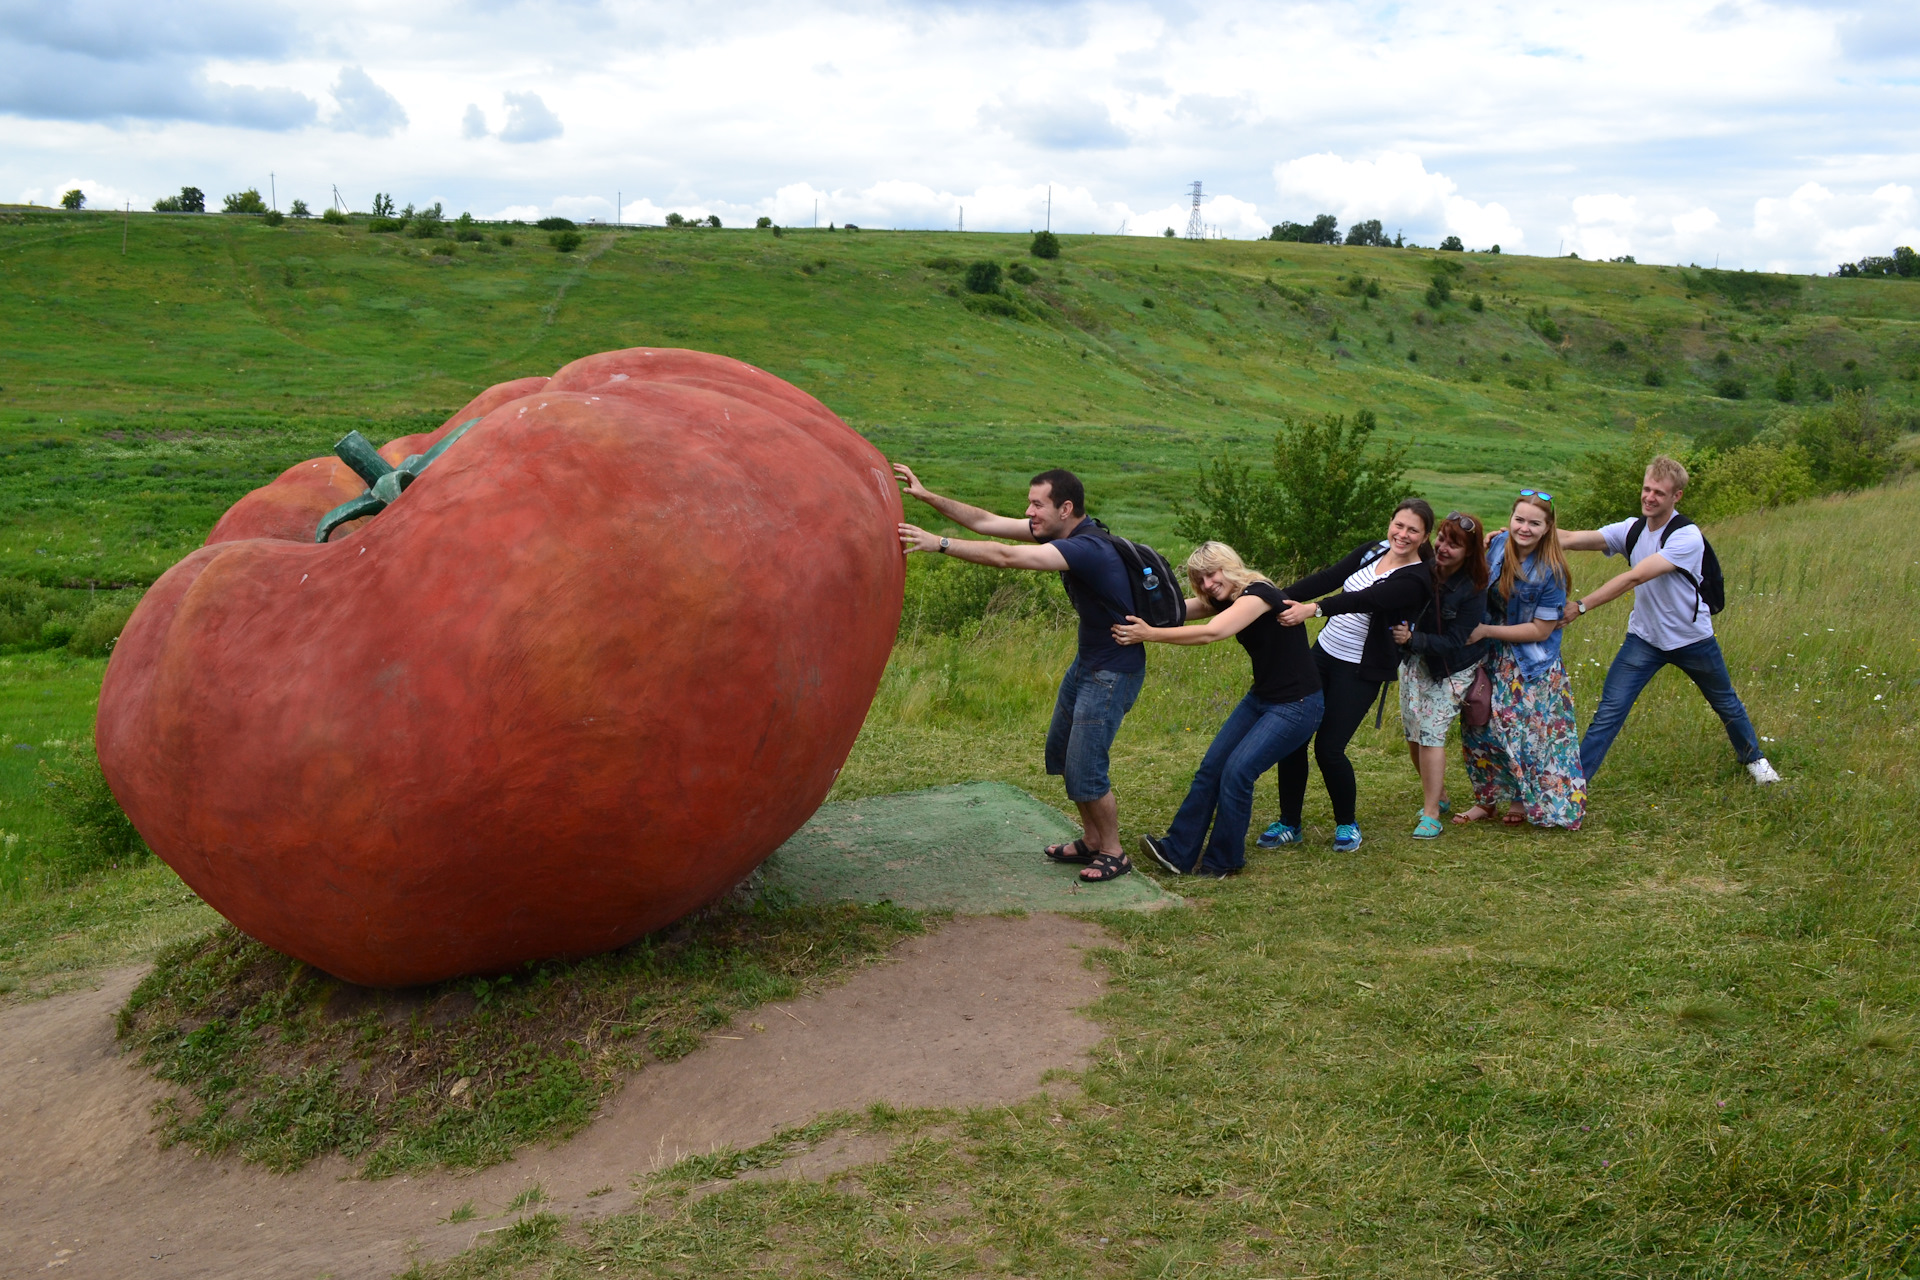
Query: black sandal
[
  {"x": 1104, "y": 867},
  {"x": 1080, "y": 857}
]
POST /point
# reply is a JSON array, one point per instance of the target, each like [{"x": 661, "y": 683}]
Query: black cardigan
[
  {"x": 1442, "y": 642},
  {"x": 1396, "y": 598}
]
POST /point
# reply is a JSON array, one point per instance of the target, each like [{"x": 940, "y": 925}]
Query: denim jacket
[{"x": 1537, "y": 593}]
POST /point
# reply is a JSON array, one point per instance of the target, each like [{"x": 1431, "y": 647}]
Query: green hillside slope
[{"x": 142, "y": 391}]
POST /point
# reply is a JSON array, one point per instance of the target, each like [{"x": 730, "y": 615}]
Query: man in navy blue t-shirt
[{"x": 1099, "y": 688}]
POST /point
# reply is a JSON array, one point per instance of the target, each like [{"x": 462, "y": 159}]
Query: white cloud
[
  {"x": 474, "y": 123},
  {"x": 517, "y": 213},
  {"x": 528, "y": 119},
  {"x": 1397, "y": 189},
  {"x": 1842, "y": 228},
  {"x": 100, "y": 195},
  {"x": 365, "y": 107}
]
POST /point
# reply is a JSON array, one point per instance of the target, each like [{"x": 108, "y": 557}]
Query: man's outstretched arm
[
  {"x": 1618, "y": 585},
  {"x": 967, "y": 517},
  {"x": 997, "y": 554},
  {"x": 1582, "y": 540}
]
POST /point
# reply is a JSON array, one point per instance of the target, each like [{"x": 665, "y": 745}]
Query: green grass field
[{"x": 1679, "y": 1042}]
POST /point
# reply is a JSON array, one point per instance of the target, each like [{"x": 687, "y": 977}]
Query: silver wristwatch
[{"x": 944, "y": 544}]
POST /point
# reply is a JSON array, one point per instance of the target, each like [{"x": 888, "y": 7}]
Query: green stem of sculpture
[{"x": 385, "y": 482}]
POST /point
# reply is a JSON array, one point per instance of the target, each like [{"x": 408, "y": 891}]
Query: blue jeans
[
  {"x": 1638, "y": 662},
  {"x": 1086, "y": 716},
  {"x": 1257, "y": 736}
]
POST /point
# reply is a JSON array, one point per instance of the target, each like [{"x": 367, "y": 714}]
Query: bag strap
[{"x": 1680, "y": 522}]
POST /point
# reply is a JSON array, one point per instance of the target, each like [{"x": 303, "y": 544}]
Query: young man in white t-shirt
[{"x": 1670, "y": 622}]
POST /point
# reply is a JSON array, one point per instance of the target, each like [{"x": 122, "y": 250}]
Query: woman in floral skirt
[{"x": 1527, "y": 756}]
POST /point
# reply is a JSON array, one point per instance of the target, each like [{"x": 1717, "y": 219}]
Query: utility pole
[
  {"x": 816, "y": 213},
  {"x": 273, "y": 193},
  {"x": 1195, "y": 228},
  {"x": 338, "y": 203},
  {"x": 963, "y": 217},
  {"x": 1049, "y": 206}
]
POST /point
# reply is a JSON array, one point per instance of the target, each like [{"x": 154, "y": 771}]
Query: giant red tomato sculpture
[{"x": 601, "y": 658}]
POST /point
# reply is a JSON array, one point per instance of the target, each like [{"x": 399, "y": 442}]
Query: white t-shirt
[
  {"x": 1345, "y": 635},
  {"x": 1664, "y": 613}
]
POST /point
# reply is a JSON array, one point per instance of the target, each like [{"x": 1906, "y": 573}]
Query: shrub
[
  {"x": 299, "y": 209},
  {"x": 673, "y": 220},
  {"x": 1476, "y": 303},
  {"x": 713, "y": 220},
  {"x": 779, "y": 231},
  {"x": 1021, "y": 273},
  {"x": 24, "y": 609},
  {"x": 1326, "y": 490},
  {"x": 945, "y": 596},
  {"x": 1168, "y": 233},
  {"x": 192, "y": 200},
  {"x": 949, "y": 265},
  {"x": 1604, "y": 485},
  {"x": 247, "y": 201},
  {"x": 1753, "y": 477},
  {"x": 1784, "y": 387},
  {"x": 983, "y": 277},
  {"x": 505, "y": 238},
  {"x": 1542, "y": 323},
  {"x": 95, "y": 833},
  {"x": 426, "y": 224},
  {"x": 1617, "y": 347},
  {"x": 273, "y": 217},
  {"x": 1654, "y": 378},
  {"x": 74, "y": 199},
  {"x": 565, "y": 241},
  {"x": 1368, "y": 233},
  {"x": 383, "y": 225},
  {"x": 1849, "y": 446},
  {"x": 1730, "y": 388},
  {"x": 382, "y": 205},
  {"x": 167, "y": 204},
  {"x": 1147, "y": 303},
  {"x": 1045, "y": 245},
  {"x": 566, "y": 224},
  {"x": 333, "y": 216},
  {"x": 1452, "y": 245},
  {"x": 993, "y": 304},
  {"x": 465, "y": 229},
  {"x": 1324, "y": 229},
  {"x": 99, "y": 631},
  {"x": 763, "y": 222}
]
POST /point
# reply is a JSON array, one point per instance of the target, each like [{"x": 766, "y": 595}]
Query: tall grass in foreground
[{"x": 1676, "y": 1043}]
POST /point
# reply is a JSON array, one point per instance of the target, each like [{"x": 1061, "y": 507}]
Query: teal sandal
[{"x": 1428, "y": 828}]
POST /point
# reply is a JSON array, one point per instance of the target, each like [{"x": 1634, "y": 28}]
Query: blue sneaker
[
  {"x": 1278, "y": 834},
  {"x": 1346, "y": 837}
]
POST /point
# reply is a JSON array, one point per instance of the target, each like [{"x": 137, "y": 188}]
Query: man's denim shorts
[{"x": 1086, "y": 716}]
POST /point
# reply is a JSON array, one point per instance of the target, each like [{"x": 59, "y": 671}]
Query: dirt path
[{"x": 973, "y": 1014}]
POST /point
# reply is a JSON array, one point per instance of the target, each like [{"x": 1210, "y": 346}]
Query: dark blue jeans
[
  {"x": 1638, "y": 662},
  {"x": 1257, "y": 736},
  {"x": 1086, "y": 716}
]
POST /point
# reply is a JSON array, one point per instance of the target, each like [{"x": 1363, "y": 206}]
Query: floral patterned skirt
[{"x": 1529, "y": 751}]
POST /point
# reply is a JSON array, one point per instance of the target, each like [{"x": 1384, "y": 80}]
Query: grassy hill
[{"x": 143, "y": 391}]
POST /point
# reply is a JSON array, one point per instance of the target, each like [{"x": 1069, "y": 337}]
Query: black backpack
[
  {"x": 1156, "y": 600},
  {"x": 1709, "y": 588}
]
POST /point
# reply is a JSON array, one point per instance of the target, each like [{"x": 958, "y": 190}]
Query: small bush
[
  {"x": 565, "y": 241},
  {"x": 762, "y": 222},
  {"x": 74, "y": 199},
  {"x": 1045, "y": 245},
  {"x": 1452, "y": 245},
  {"x": 383, "y": 225},
  {"x": 273, "y": 217},
  {"x": 994, "y": 304},
  {"x": 95, "y": 834},
  {"x": 566, "y": 224},
  {"x": 1617, "y": 347},
  {"x": 949, "y": 265},
  {"x": 1753, "y": 477},
  {"x": 426, "y": 223},
  {"x": 1021, "y": 273},
  {"x": 247, "y": 201},
  {"x": 713, "y": 220},
  {"x": 57, "y": 633},
  {"x": 465, "y": 229},
  {"x": 167, "y": 204},
  {"x": 983, "y": 277},
  {"x": 99, "y": 630},
  {"x": 333, "y": 216},
  {"x": 1147, "y": 303},
  {"x": 1476, "y": 303},
  {"x": 1655, "y": 378},
  {"x": 1849, "y": 446},
  {"x": 505, "y": 238},
  {"x": 1730, "y": 388},
  {"x": 1785, "y": 388}
]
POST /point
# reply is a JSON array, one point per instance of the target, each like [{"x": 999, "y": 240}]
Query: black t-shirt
[
  {"x": 1283, "y": 666},
  {"x": 1096, "y": 582}
]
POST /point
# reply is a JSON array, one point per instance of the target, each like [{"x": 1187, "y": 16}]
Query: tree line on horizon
[{"x": 1365, "y": 233}]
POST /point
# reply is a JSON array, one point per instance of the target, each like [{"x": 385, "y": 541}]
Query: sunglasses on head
[
  {"x": 1541, "y": 494},
  {"x": 1465, "y": 522}
]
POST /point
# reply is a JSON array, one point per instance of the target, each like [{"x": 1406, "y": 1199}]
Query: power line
[{"x": 1196, "y": 230}]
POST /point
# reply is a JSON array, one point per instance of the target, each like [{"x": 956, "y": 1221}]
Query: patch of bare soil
[{"x": 973, "y": 1014}]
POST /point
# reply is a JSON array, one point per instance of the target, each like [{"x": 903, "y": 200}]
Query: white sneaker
[{"x": 1763, "y": 772}]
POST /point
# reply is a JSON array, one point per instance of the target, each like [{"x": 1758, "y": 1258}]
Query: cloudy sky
[{"x": 1779, "y": 136}]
